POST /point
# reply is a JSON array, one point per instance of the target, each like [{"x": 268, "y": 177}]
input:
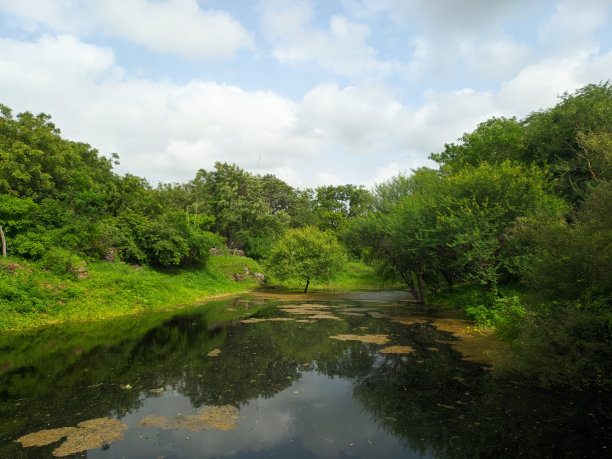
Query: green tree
[
  {"x": 307, "y": 254},
  {"x": 571, "y": 138},
  {"x": 495, "y": 140}
]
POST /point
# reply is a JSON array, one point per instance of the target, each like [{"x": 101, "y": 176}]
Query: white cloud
[
  {"x": 537, "y": 86},
  {"x": 570, "y": 29},
  {"x": 340, "y": 48},
  {"x": 334, "y": 134},
  {"x": 450, "y": 38},
  {"x": 167, "y": 26},
  {"x": 325, "y": 178},
  {"x": 439, "y": 15},
  {"x": 161, "y": 130},
  {"x": 498, "y": 59},
  {"x": 177, "y": 26},
  {"x": 361, "y": 118}
]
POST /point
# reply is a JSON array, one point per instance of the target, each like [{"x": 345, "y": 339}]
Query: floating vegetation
[
  {"x": 214, "y": 353},
  {"x": 373, "y": 339},
  {"x": 324, "y": 316},
  {"x": 359, "y": 310},
  {"x": 271, "y": 319},
  {"x": 475, "y": 345},
  {"x": 209, "y": 417},
  {"x": 377, "y": 315},
  {"x": 397, "y": 350},
  {"x": 313, "y": 311},
  {"x": 87, "y": 435},
  {"x": 409, "y": 320},
  {"x": 157, "y": 391}
]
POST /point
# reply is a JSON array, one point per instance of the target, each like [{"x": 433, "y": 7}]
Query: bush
[
  {"x": 568, "y": 347},
  {"x": 62, "y": 262}
]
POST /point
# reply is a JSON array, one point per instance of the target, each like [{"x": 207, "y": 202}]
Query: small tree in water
[{"x": 306, "y": 254}]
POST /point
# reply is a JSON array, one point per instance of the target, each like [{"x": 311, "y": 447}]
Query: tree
[
  {"x": 306, "y": 254},
  {"x": 334, "y": 205},
  {"x": 572, "y": 138},
  {"x": 3, "y": 243},
  {"x": 495, "y": 140},
  {"x": 455, "y": 225}
]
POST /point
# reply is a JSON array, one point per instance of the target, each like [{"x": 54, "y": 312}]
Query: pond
[{"x": 353, "y": 375}]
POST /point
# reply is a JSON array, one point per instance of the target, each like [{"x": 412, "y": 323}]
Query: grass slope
[{"x": 31, "y": 297}]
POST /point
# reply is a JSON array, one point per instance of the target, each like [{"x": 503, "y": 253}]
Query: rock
[
  {"x": 111, "y": 254},
  {"x": 260, "y": 278},
  {"x": 214, "y": 251}
]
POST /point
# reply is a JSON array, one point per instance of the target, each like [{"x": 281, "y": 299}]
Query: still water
[{"x": 354, "y": 375}]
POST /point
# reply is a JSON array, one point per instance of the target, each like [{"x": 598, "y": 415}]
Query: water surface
[{"x": 281, "y": 376}]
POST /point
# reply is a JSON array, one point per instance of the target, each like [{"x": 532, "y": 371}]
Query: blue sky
[{"x": 316, "y": 92}]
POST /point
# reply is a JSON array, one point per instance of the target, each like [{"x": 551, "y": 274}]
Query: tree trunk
[
  {"x": 449, "y": 281},
  {"x": 307, "y": 283},
  {"x": 410, "y": 283},
  {"x": 421, "y": 292},
  {"x": 3, "y": 243}
]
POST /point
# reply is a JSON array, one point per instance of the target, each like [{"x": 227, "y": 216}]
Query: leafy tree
[
  {"x": 495, "y": 140},
  {"x": 456, "y": 225},
  {"x": 566, "y": 138},
  {"x": 334, "y": 205},
  {"x": 306, "y": 254}
]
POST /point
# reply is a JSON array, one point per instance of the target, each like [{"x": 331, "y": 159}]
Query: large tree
[{"x": 307, "y": 254}]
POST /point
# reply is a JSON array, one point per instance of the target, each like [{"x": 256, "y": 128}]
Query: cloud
[
  {"x": 177, "y": 26},
  {"x": 437, "y": 15},
  {"x": 498, "y": 59},
  {"x": 168, "y": 26},
  {"x": 450, "y": 39},
  {"x": 161, "y": 130},
  {"x": 570, "y": 29},
  {"x": 538, "y": 86},
  {"x": 341, "y": 48},
  {"x": 333, "y": 134},
  {"x": 359, "y": 117}
]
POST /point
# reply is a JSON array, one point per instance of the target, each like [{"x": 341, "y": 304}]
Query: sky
[{"x": 316, "y": 92}]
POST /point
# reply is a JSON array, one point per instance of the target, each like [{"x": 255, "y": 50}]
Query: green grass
[
  {"x": 355, "y": 276},
  {"x": 31, "y": 297}
]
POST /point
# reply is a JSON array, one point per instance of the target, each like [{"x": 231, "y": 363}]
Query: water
[{"x": 202, "y": 382}]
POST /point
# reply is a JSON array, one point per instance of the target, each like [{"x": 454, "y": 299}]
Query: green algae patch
[
  {"x": 271, "y": 319},
  {"x": 409, "y": 320},
  {"x": 313, "y": 311},
  {"x": 474, "y": 344},
  {"x": 397, "y": 350},
  {"x": 209, "y": 417},
  {"x": 372, "y": 339},
  {"x": 90, "y": 434}
]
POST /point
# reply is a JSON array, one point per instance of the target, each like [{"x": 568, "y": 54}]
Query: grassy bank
[
  {"x": 31, "y": 297},
  {"x": 355, "y": 276}
]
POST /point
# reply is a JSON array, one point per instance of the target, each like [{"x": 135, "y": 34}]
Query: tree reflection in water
[{"x": 430, "y": 400}]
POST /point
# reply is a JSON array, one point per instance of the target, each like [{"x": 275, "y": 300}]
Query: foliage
[
  {"x": 308, "y": 254},
  {"x": 495, "y": 140},
  {"x": 456, "y": 225},
  {"x": 566, "y": 347},
  {"x": 45, "y": 292}
]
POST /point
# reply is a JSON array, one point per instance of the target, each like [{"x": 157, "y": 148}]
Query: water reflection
[{"x": 292, "y": 389}]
